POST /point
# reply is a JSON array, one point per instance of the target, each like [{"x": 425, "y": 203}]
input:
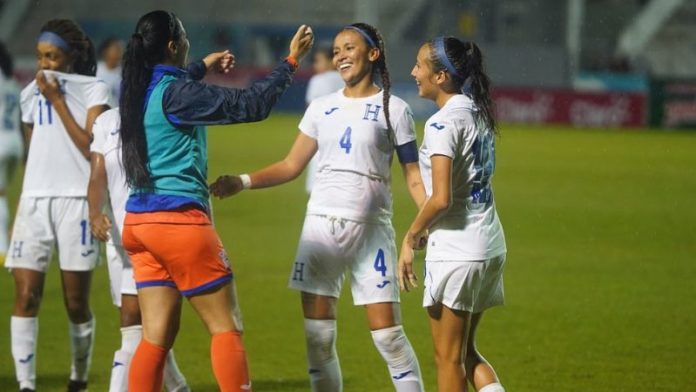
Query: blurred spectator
[{"x": 109, "y": 66}]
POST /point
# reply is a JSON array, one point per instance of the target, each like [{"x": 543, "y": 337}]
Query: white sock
[
  {"x": 81, "y": 344},
  {"x": 24, "y": 331},
  {"x": 130, "y": 338},
  {"x": 174, "y": 381},
  {"x": 324, "y": 368},
  {"x": 495, "y": 387},
  {"x": 4, "y": 224},
  {"x": 401, "y": 360},
  {"x": 119, "y": 371}
]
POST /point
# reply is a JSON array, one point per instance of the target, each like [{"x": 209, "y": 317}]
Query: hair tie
[
  {"x": 54, "y": 39},
  {"x": 439, "y": 44},
  {"x": 368, "y": 39}
]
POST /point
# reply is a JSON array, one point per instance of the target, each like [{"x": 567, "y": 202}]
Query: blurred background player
[
  {"x": 109, "y": 66},
  {"x": 108, "y": 183},
  {"x": 466, "y": 246},
  {"x": 167, "y": 232},
  {"x": 326, "y": 80},
  {"x": 11, "y": 145},
  {"x": 348, "y": 221},
  {"x": 58, "y": 110}
]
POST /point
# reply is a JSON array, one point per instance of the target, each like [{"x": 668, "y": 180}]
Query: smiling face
[
  {"x": 353, "y": 58},
  {"x": 427, "y": 80},
  {"x": 50, "y": 57}
]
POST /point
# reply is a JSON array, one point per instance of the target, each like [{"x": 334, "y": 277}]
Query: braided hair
[
  {"x": 81, "y": 47},
  {"x": 380, "y": 67},
  {"x": 470, "y": 78}
]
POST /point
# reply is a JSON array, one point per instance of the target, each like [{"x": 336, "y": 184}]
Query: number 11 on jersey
[{"x": 345, "y": 143}]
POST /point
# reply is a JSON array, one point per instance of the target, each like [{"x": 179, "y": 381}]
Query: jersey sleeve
[
  {"x": 442, "y": 138},
  {"x": 27, "y": 103},
  {"x": 308, "y": 124},
  {"x": 404, "y": 127},
  {"x": 99, "y": 132},
  {"x": 98, "y": 94},
  {"x": 190, "y": 102}
]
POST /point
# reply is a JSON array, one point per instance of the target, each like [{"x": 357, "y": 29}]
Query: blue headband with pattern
[
  {"x": 55, "y": 40},
  {"x": 441, "y": 54},
  {"x": 362, "y": 32}
]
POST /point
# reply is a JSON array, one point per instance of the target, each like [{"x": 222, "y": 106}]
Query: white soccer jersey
[
  {"x": 55, "y": 167},
  {"x": 470, "y": 229},
  {"x": 355, "y": 154},
  {"x": 107, "y": 142}
]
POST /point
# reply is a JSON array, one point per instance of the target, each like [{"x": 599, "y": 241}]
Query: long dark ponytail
[
  {"x": 467, "y": 59},
  {"x": 380, "y": 68},
  {"x": 146, "y": 48},
  {"x": 81, "y": 47}
]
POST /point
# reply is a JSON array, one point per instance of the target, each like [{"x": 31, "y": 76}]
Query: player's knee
[
  {"x": 77, "y": 308},
  {"x": 321, "y": 340},
  {"x": 448, "y": 357},
  {"x": 27, "y": 302}
]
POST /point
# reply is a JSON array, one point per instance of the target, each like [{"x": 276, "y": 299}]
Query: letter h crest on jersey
[{"x": 370, "y": 113}]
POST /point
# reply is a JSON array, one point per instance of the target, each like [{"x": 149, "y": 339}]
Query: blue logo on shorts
[
  {"x": 437, "y": 126},
  {"x": 89, "y": 252},
  {"x": 383, "y": 284}
]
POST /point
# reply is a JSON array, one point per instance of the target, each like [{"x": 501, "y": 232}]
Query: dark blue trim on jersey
[
  {"x": 154, "y": 283},
  {"x": 151, "y": 202},
  {"x": 407, "y": 153},
  {"x": 188, "y": 103},
  {"x": 207, "y": 286}
]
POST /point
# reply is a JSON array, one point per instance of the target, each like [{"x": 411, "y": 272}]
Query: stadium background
[{"x": 595, "y": 188}]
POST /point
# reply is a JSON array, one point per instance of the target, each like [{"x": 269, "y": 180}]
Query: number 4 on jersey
[{"x": 345, "y": 143}]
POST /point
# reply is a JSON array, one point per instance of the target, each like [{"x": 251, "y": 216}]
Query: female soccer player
[
  {"x": 58, "y": 110},
  {"x": 348, "y": 224},
  {"x": 466, "y": 246},
  {"x": 108, "y": 182},
  {"x": 11, "y": 146},
  {"x": 167, "y": 230}
]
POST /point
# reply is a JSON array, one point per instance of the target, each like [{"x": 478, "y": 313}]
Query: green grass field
[{"x": 601, "y": 233}]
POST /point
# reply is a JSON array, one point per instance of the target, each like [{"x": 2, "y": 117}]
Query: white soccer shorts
[
  {"x": 120, "y": 272},
  {"x": 329, "y": 246},
  {"x": 44, "y": 222},
  {"x": 470, "y": 286}
]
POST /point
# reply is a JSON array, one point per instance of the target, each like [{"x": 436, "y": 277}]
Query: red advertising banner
[{"x": 585, "y": 109}]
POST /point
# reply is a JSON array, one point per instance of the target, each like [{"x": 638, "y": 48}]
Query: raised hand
[
  {"x": 226, "y": 186},
  {"x": 220, "y": 62},
  {"x": 302, "y": 42},
  {"x": 49, "y": 88}
]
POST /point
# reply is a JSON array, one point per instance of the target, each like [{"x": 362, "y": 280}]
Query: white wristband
[{"x": 246, "y": 181}]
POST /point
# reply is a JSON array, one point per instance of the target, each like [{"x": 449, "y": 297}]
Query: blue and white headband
[
  {"x": 55, "y": 40},
  {"x": 441, "y": 54},
  {"x": 362, "y": 32}
]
